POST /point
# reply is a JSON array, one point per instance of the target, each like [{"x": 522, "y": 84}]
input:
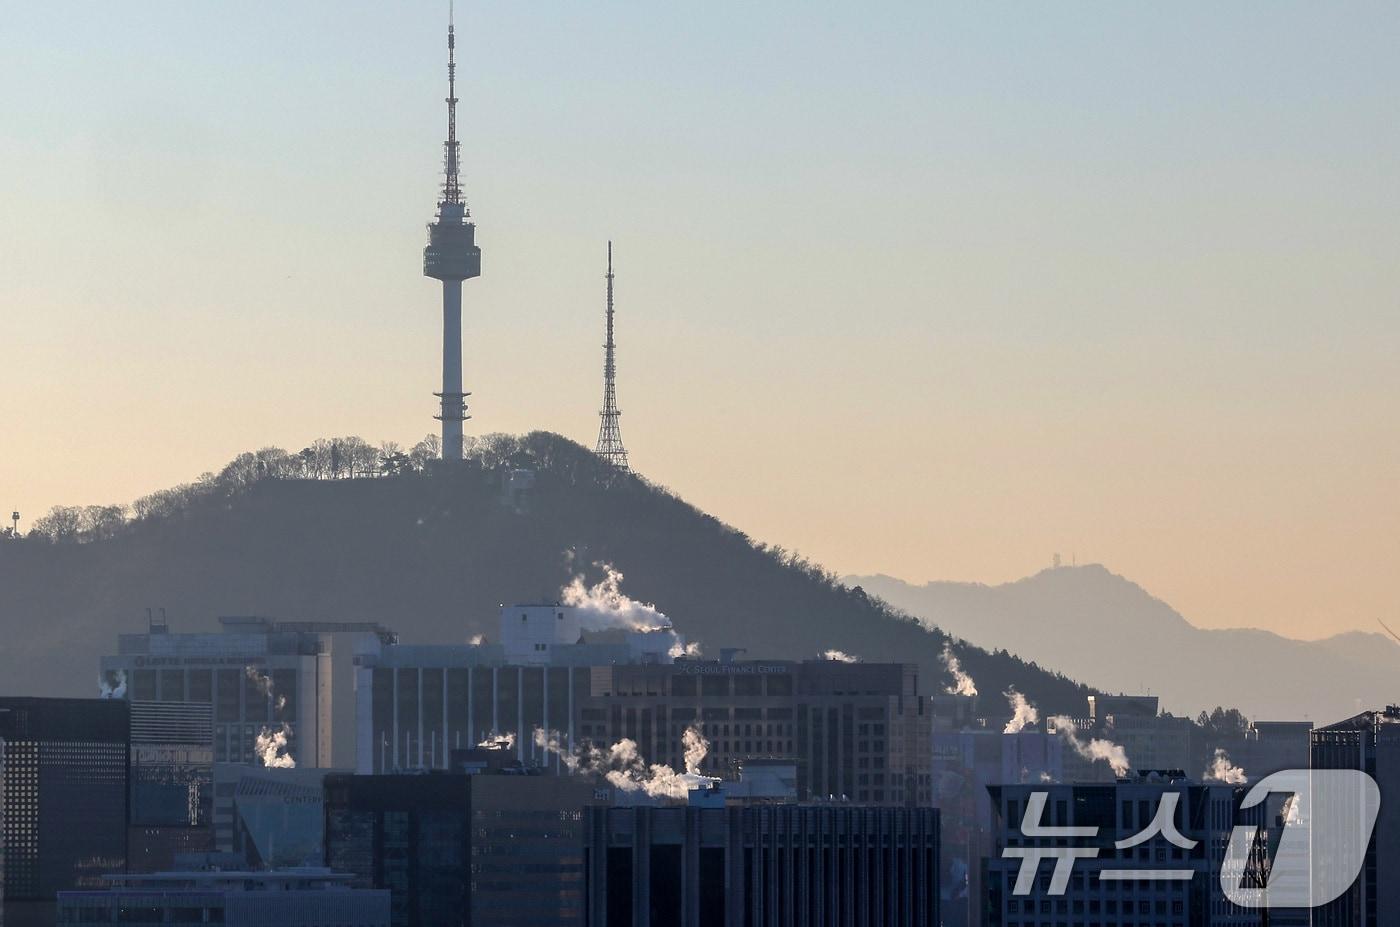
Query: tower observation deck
[{"x": 452, "y": 256}]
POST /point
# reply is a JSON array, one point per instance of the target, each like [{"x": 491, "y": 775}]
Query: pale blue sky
[{"x": 928, "y": 289}]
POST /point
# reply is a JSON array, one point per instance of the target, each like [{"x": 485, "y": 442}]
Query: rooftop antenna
[
  {"x": 609, "y": 436},
  {"x": 14, "y": 530},
  {"x": 451, "y": 187}
]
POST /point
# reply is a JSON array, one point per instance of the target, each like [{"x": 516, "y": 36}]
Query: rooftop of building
[
  {"x": 299, "y": 625},
  {"x": 301, "y": 877},
  {"x": 1366, "y": 720},
  {"x": 246, "y": 635}
]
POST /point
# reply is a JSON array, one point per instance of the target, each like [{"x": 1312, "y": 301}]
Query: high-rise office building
[
  {"x": 172, "y": 771},
  {"x": 965, "y": 763},
  {"x": 1369, "y": 742},
  {"x": 859, "y": 730},
  {"x": 1273, "y": 746},
  {"x": 417, "y": 704},
  {"x": 408, "y": 834},
  {"x": 291, "y": 678},
  {"x": 741, "y": 864},
  {"x": 487, "y": 850},
  {"x": 1183, "y": 888},
  {"x": 1151, "y": 738},
  {"x": 63, "y": 800},
  {"x": 856, "y": 730}
]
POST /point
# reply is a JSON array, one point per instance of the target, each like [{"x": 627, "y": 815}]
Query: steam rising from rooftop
[
  {"x": 603, "y": 605},
  {"x": 271, "y": 748},
  {"x": 679, "y": 649},
  {"x": 1222, "y": 770},
  {"x": 112, "y": 684},
  {"x": 1094, "y": 749},
  {"x": 495, "y": 741},
  {"x": 1023, "y": 713},
  {"x": 962, "y": 682},
  {"x": 264, "y": 684},
  {"x": 623, "y": 766}
]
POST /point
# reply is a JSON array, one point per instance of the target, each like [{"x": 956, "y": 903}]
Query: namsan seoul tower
[{"x": 452, "y": 256}]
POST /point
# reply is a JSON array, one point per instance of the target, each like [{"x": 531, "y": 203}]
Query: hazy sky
[{"x": 925, "y": 289}]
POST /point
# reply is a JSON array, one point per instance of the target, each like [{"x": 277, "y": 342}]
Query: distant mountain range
[
  {"x": 1092, "y": 624},
  {"x": 433, "y": 555}
]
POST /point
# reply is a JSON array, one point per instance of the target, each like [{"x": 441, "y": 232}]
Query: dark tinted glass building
[
  {"x": 1101, "y": 888},
  {"x": 171, "y": 778},
  {"x": 756, "y": 865},
  {"x": 1369, "y": 742},
  {"x": 453, "y": 849},
  {"x": 63, "y": 775}
]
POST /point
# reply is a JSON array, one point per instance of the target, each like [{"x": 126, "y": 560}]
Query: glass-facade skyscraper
[{"x": 63, "y": 797}]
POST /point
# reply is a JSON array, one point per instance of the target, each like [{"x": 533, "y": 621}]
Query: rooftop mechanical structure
[
  {"x": 452, "y": 256},
  {"x": 609, "y": 436}
]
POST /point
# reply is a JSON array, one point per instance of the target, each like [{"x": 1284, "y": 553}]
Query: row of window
[{"x": 1094, "y": 906}]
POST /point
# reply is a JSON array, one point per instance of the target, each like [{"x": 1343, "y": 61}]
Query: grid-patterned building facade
[
  {"x": 855, "y": 730},
  {"x": 1370, "y": 743},
  {"x": 1095, "y": 894},
  {"x": 257, "y": 673},
  {"x": 756, "y": 865},
  {"x": 63, "y": 799},
  {"x": 487, "y": 850}
]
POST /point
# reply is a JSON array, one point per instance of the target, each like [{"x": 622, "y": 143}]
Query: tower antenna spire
[
  {"x": 451, "y": 187},
  {"x": 609, "y": 436}
]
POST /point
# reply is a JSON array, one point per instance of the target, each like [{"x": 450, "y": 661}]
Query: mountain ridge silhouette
[
  {"x": 433, "y": 554},
  {"x": 1089, "y": 622}
]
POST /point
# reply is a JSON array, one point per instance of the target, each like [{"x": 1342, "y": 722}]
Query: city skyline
[{"x": 1149, "y": 325}]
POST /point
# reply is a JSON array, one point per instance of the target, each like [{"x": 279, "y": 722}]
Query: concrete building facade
[
  {"x": 855, "y": 730},
  {"x": 417, "y": 704},
  {"x": 291, "y": 676}
]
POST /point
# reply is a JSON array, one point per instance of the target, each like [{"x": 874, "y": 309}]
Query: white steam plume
[
  {"x": 839, "y": 656},
  {"x": 1094, "y": 749},
  {"x": 112, "y": 684},
  {"x": 679, "y": 650},
  {"x": 271, "y": 748},
  {"x": 1222, "y": 770},
  {"x": 264, "y": 684},
  {"x": 696, "y": 749},
  {"x": 962, "y": 682},
  {"x": 624, "y": 768},
  {"x": 603, "y": 605},
  {"x": 1023, "y": 713},
  {"x": 496, "y": 741}
]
